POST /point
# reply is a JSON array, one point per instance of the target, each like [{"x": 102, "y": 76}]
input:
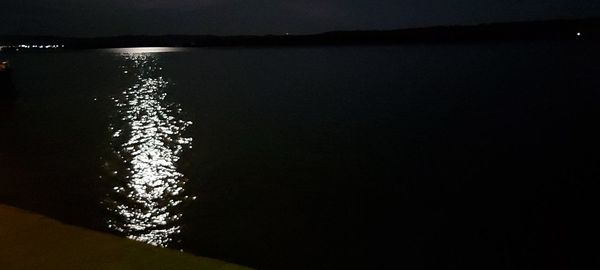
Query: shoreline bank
[{"x": 33, "y": 241}]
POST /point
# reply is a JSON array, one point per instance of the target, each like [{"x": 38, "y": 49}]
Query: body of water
[{"x": 316, "y": 158}]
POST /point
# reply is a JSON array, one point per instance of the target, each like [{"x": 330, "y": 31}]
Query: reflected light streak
[{"x": 147, "y": 140}]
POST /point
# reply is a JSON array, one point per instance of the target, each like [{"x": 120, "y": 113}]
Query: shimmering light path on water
[{"x": 147, "y": 141}]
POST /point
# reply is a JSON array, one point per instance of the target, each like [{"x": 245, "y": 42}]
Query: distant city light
[{"x": 30, "y": 46}]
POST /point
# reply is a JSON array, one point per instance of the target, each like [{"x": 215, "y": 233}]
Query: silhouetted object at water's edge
[{"x": 7, "y": 88}]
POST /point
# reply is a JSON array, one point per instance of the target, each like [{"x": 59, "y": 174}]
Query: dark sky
[{"x": 118, "y": 17}]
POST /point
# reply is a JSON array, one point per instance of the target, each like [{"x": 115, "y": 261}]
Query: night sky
[{"x": 226, "y": 17}]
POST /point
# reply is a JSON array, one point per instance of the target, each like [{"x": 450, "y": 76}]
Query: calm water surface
[{"x": 316, "y": 158}]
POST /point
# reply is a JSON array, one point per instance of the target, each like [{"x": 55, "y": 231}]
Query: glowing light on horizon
[
  {"x": 147, "y": 139},
  {"x": 144, "y": 50},
  {"x": 32, "y": 46}
]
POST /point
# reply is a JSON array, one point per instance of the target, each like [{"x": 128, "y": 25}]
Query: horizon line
[{"x": 556, "y": 19}]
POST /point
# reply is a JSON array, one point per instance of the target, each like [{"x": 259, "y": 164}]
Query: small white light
[{"x": 578, "y": 34}]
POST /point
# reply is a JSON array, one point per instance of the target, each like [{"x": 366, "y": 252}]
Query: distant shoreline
[{"x": 583, "y": 29}]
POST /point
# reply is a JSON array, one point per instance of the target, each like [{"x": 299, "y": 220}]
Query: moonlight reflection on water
[{"x": 147, "y": 143}]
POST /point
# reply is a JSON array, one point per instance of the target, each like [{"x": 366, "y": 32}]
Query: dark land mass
[{"x": 588, "y": 29}]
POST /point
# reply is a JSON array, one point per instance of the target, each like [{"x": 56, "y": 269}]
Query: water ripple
[{"x": 147, "y": 143}]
